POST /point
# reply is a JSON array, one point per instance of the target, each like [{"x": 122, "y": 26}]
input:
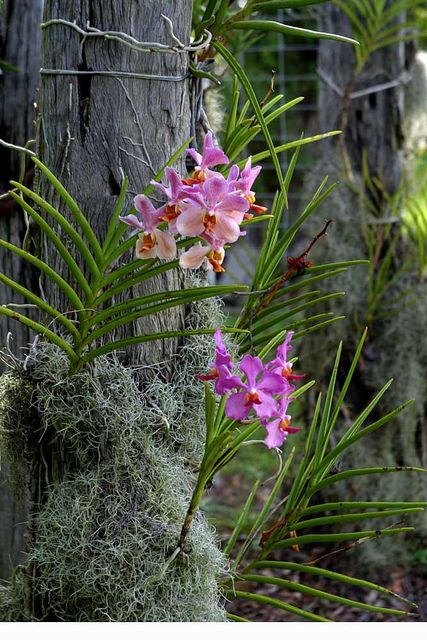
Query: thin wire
[{"x": 112, "y": 74}]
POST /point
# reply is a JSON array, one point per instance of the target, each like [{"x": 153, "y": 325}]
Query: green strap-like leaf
[
  {"x": 263, "y": 514},
  {"x": 240, "y": 73},
  {"x": 365, "y": 471},
  {"x": 270, "y": 25},
  {"x": 321, "y": 538},
  {"x": 353, "y": 517},
  {"x": 210, "y": 406},
  {"x": 145, "y": 273},
  {"x": 343, "y": 506},
  {"x": 114, "y": 218},
  {"x": 330, "y": 575},
  {"x": 288, "y": 236},
  {"x": 41, "y": 304},
  {"x": 274, "y": 5},
  {"x": 234, "y": 618},
  {"x": 287, "y": 146},
  {"x": 283, "y": 304},
  {"x": 293, "y": 325},
  {"x": 278, "y": 604},
  {"x": 74, "y": 209},
  {"x": 347, "y": 442},
  {"x": 188, "y": 294},
  {"x": 318, "y": 593},
  {"x": 40, "y": 328},
  {"x": 241, "y": 520},
  {"x": 68, "y": 229},
  {"x": 322, "y": 437},
  {"x": 248, "y": 132},
  {"x": 61, "y": 248},
  {"x": 129, "y": 342},
  {"x": 280, "y": 319},
  {"x": 48, "y": 271}
]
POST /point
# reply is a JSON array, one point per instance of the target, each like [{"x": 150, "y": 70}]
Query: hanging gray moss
[
  {"x": 396, "y": 349},
  {"x": 103, "y": 539}
]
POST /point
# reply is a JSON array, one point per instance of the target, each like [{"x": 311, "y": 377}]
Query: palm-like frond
[
  {"x": 295, "y": 524},
  {"x": 94, "y": 279},
  {"x": 375, "y": 24}
]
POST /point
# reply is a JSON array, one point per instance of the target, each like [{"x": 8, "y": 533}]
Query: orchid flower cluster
[
  {"x": 206, "y": 206},
  {"x": 267, "y": 390}
]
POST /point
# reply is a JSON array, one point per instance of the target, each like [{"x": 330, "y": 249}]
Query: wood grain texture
[
  {"x": 19, "y": 46},
  {"x": 94, "y": 128}
]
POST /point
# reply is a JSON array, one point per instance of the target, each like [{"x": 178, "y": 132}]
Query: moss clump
[{"x": 104, "y": 536}]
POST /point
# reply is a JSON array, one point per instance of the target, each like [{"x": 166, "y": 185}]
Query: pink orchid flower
[
  {"x": 245, "y": 182},
  {"x": 257, "y": 393},
  {"x": 151, "y": 243},
  {"x": 174, "y": 192},
  {"x": 221, "y": 368},
  {"x": 279, "y": 429},
  {"x": 214, "y": 210},
  {"x": 280, "y": 364},
  {"x": 197, "y": 254},
  {"x": 211, "y": 156}
]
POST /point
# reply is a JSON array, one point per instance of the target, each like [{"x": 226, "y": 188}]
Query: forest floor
[{"x": 224, "y": 501}]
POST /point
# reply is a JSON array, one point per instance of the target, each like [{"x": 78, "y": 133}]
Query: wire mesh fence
[{"x": 294, "y": 62}]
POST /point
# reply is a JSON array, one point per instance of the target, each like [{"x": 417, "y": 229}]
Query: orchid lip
[{"x": 252, "y": 397}]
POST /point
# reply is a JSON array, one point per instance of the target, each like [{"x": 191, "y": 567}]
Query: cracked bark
[
  {"x": 19, "y": 46},
  {"x": 92, "y": 127}
]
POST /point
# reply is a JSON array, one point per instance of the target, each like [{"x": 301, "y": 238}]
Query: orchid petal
[
  {"x": 132, "y": 221},
  {"x": 236, "y": 406},
  {"x": 226, "y": 229},
  {"x": 175, "y": 182},
  {"x": 276, "y": 436},
  {"x": 190, "y": 222},
  {"x": 267, "y": 406},
  {"x": 272, "y": 383},
  {"x": 214, "y": 188},
  {"x": 212, "y": 157},
  {"x": 194, "y": 257},
  {"x": 143, "y": 253},
  {"x": 165, "y": 245},
  {"x": 195, "y": 155},
  {"x": 251, "y": 367},
  {"x": 233, "y": 174},
  {"x": 226, "y": 382},
  {"x": 233, "y": 203}
]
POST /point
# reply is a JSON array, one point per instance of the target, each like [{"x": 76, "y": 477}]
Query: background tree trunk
[
  {"x": 19, "y": 46},
  {"x": 373, "y": 123},
  {"x": 374, "y": 129},
  {"x": 95, "y": 129}
]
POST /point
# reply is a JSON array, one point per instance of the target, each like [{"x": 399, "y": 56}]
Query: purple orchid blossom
[
  {"x": 174, "y": 193},
  {"x": 257, "y": 393},
  {"x": 151, "y": 243},
  {"x": 221, "y": 368},
  {"x": 280, "y": 364},
  {"x": 265, "y": 392},
  {"x": 279, "y": 428},
  {"x": 207, "y": 205},
  {"x": 210, "y": 157},
  {"x": 194, "y": 257},
  {"x": 214, "y": 210}
]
